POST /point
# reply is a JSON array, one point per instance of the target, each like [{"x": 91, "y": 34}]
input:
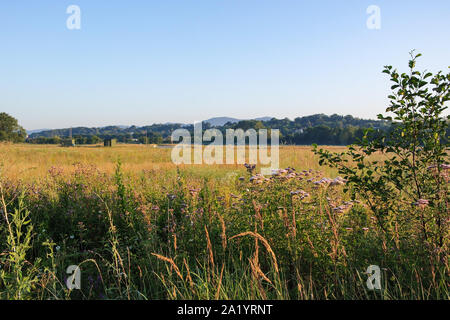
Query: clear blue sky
[{"x": 144, "y": 62}]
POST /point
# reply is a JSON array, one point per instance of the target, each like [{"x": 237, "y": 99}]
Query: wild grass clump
[{"x": 294, "y": 235}]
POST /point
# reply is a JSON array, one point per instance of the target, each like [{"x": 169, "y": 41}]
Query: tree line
[{"x": 315, "y": 129}]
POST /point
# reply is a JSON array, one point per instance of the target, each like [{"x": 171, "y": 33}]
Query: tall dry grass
[{"x": 147, "y": 229}]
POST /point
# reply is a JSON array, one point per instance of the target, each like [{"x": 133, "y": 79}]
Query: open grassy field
[
  {"x": 25, "y": 161},
  {"x": 140, "y": 227}
]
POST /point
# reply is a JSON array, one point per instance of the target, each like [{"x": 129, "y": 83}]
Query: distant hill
[
  {"x": 264, "y": 118},
  {"x": 220, "y": 121},
  {"x": 36, "y": 131}
]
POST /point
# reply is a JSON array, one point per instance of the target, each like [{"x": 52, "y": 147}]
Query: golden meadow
[
  {"x": 31, "y": 162},
  {"x": 140, "y": 227}
]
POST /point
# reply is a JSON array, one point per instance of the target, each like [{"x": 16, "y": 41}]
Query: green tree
[
  {"x": 10, "y": 130},
  {"x": 411, "y": 182}
]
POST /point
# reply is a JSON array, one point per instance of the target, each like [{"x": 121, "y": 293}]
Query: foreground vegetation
[{"x": 148, "y": 230}]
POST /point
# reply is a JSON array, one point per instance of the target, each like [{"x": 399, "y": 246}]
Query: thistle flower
[
  {"x": 337, "y": 181},
  {"x": 323, "y": 182},
  {"x": 304, "y": 195},
  {"x": 422, "y": 203},
  {"x": 250, "y": 167},
  {"x": 443, "y": 166},
  {"x": 194, "y": 191},
  {"x": 171, "y": 196},
  {"x": 257, "y": 178}
]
